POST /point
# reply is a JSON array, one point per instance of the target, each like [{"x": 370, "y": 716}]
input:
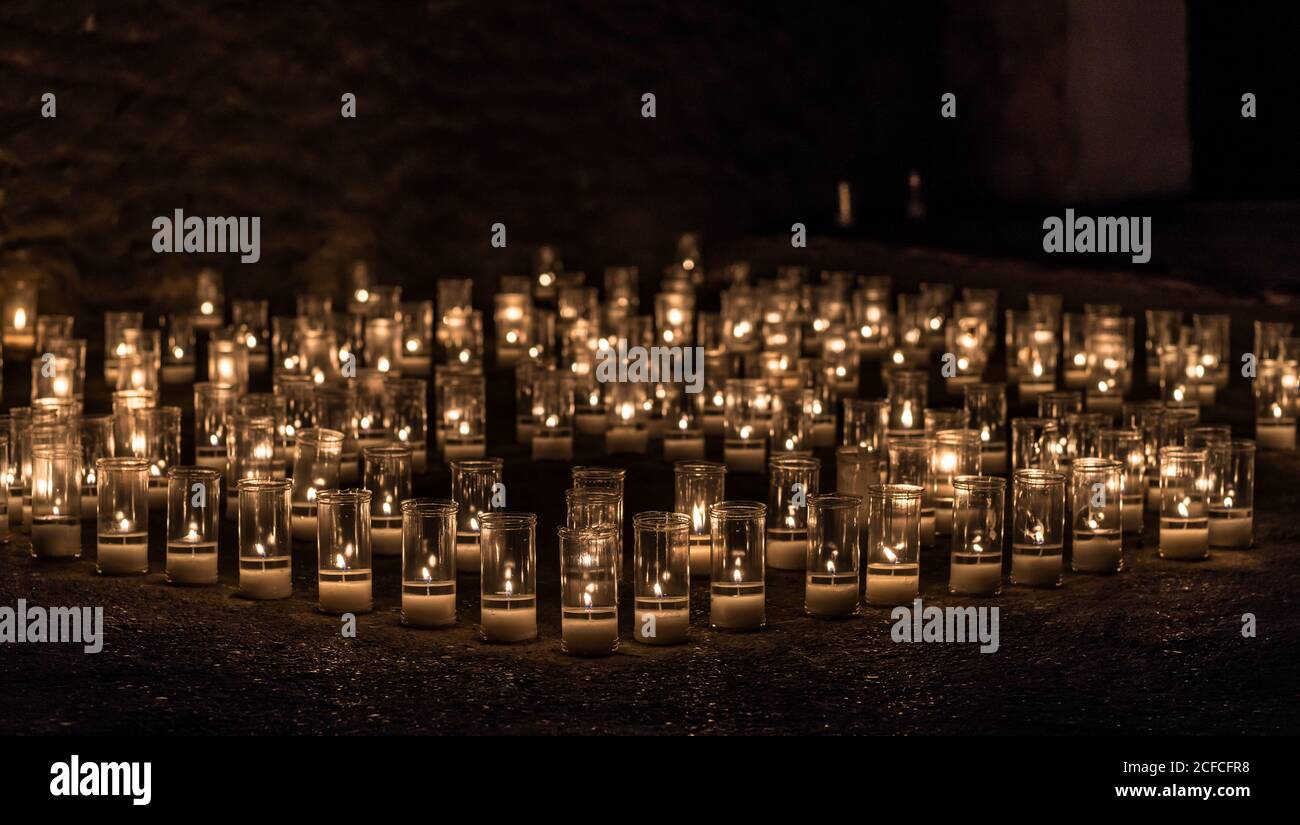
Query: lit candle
[
  {"x": 893, "y": 543},
  {"x": 428, "y": 562},
  {"x": 793, "y": 481},
  {"x": 1232, "y": 494},
  {"x": 1096, "y": 495},
  {"x": 475, "y": 483},
  {"x": 56, "y": 501},
  {"x": 1038, "y": 528},
  {"x": 123, "y": 520},
  {"x": 508, "y": 586},
  {"x": 315, "y": 468},
  {"x": 194, "y": 496},
  {"x": 1184, "y": 517},
  {"x": 744, "y": 448},
  {"x": 831, "y": 583},
  {"x": 737, "y": 596},
  {"x": 589, "y": 591},
  {"x": 388, "y": 478},
  {"x": 976, "y": 563},
  {"x": 265, "y": 560},
  {"x": 344, "y": 552}
]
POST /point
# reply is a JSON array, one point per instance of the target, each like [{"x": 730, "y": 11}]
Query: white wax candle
[
  {"x": 463, "y": 449},
  {"x": 679, "y": 449},
  {"x": 385, "y": 537},
  {"x": 787, "y": 550},
  {"x": 892, "y": 584},
  {"x": 1184, "y": 540},
  {"x": 257, "y": 580},
  {"x": 1232, "y": 528},
  {"x": 732, "y": 610},
  {"x": 304, "y": 522},
  {"x": 553, "y": 448},
  {"x": 626, "y": 440},
  {"x": 122, "y": 554},
  {"x": 927, "y": 528},
  {"x": 824, "y": 434},
  {"x": 178, "y": 373},
  {"x": 993, "y": 459},
  {"x": 748, "y": 458},
  {"x": 975, "y": 574},
  {"x": 589, "y": 632},
  {"x": 1271, "y": 436},
  {"x": 1029, "y": 391},
  {"x": 1130, "y": 518},
  {"x": 56, "y": 539},
  {"x": 1098, "y": 553},
  {"x": 831, "y": 595},
  {"x": 701, "y": 556},
  {"x": 429, "y": 605},
  {"x": 1035, "y": 565},
  {"x": 590, "y": 423},
  {"x": 468, "y": 555},
  {"x": 349, "y": 594},
  {"x": 192, "y": 562},
  {"x": 661, "y": 621},
  {"x": 508, "y": 619}
]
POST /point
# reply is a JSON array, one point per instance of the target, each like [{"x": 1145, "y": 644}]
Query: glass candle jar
[
  {"x": 1037, "y": 527},
  {"x": 513, "y": 313},
  {"x": 736, "y": 584},
  {"x": 343, "y": 548},
  {"x": 209, "y": 299},
  {"x": 1034, "y": 442},
  {"x": 1107, "y": 364},
  {"x": 956, "y": 453},
  {"x": 1059, "y": 404},
  {"x": 747, "y": 419},
  {"x": 214, "y": 404},
  {"x": 406, "y": 413},
  {"x": 626, "y": 420},
  {"x": 193, "y": 505},
  {"x": 315, "y": 469},
  {"x": 54, "y": 377},
  {"x": 1074, "y": 350},
  {"x": 20, "y": 315},
  {"x": 464, "y": 417},
  {"x": 178, "y": 349},
  {"x": 864, "y": 423},
  {"x": 831, "y": 581},
  {"x": 368, "y": 389},
  {"x": 388, "y": 478},
  {"x": 1035, "y": 350},
  {"x": 95, "y": 435},
  {"x": 608, "y": 479},
  {"x": 155, "y": 433},
  {"x": 1274, "y": 405},
  {"x": 588, "y": 591},
  {"x": 318, "y": 354},
  {"x": 1081, "y": 436},
  {"x": 1231, "y": 498},
  {"x": 265, "y": 538},
  {"x": 661, "y": 580},
  {"x": 976, "y": 564},
  {"x": 697, "y": 486},
  {"x": 683, "y": 427},
  {"x": 966, "y": 338},
  {"x": 1096, "y": 493},
  {"x": 334, "y": 407},
  {"x": 552, "y": 410},
  {"x": 477, "y": 488},
  {"x": 791, "y": 422},
  {"x": 893, "y": 543},
  {"x": 986, "y": 412},
  {"x": 383, "y": 338},
  {"x": 1211, "y": 336},
  {"x": 417, "y": 334},
  {"x": 428, "y": 562},
  {"x": 123, "y": 516},
  {"x": 907, "y": 400},
  {"x": 842, "y": 360},
  {"x": 943, "y": 418},
  {"x": 1184, "y": 503},
  {"x": 856, "y": 469},
  {"x": 507, "y": 581},
  {"x": 250, "y": 453},
  {"x": 1163, "y": 327},
  {"x": 1125, "y": 446},
  {"x": 115, "y": 346},
  {"x": 228, "y": 361},
  {"x": 792, "y": 481},
  {"x": 910, "y": 462}
]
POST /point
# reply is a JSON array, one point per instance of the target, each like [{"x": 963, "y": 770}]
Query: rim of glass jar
[
  {"x": 956, "y": 437},
  {"x": 1061, "y": 395},
  {"x": 835, "y": 501},
  {"x": 1094, "y": 464},
  {"x": 388, "y": 450},
  {"x": 662, "y": 521},
  {"x": 979, "y": 484},
  {"x": 121, "y": 463},
  {"x": 587, "y": 472},
  {"x": 794, "y": 462},
  {"x": 913, "y": 443},
  {"x": 250, "y": 422},
  {"x": 319, "y": 435},
  {"x": 216, "y": 387},
  {"x": 506, "y": 520},
  {"x": 737, "y": 510},
  {"x": 1033, "y": 421},
  {"x": 264, "y": 485},
  {"x": 56, "y": 451},
  {"x": 1220, "y": 432},
  {"x": 1243, "y": 445},
  {"x": 192, "y": 472},
  {"x": 895, "y": 492},
  {"x": 697, "y": 468},
  {"x": 345, "y": 495},
  {"x": 1181, "y": 453},
  {"x": 1034, "y": 477},
  {"x": 430, "y": 507},
  {"x": 598, "y": 531},
  {"x": 985, "y": 386},
  {"x": 476, "y": 465}
]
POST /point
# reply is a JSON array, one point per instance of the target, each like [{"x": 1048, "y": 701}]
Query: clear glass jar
[
  {"x": 335, "y": 408},
  {"x": 791, "y": 428},
  {"x": 986, "y": 412},
  {"x": 383, "y": 338},
  {"x": 1274, "y": 384},
  {"x": 747, "y": 420},
  {"x": 508, "y": 582},
  {"x": 737, "y": 595},
  {"x": 228, "y": 361},
  {"x": 661, "y": 579},
  {"x": 856, "y": 469},
  {"x": 910, "y": 462},
  {"x": 315, "y": 469},
  {"x": 976, "y": 563},
  {"x": 265, "y": 538},
  {"x": 1231, "y": 497},
  {"x": 115, "y": 346},
  {"x": 250, "y": 453},
  {"x": 154, "y": 433},
  {"x": 697, "y": 486},
  {"x": 417, "y": 334},
  {"x": 95, "y": 434},
  {"x": 343, "y": 546},
  {"x": 513, "y": 315},
  {"x": 387, "y": 476},
  {"x": 956, "y": 453},
  {"x": 907, "y": 399},
  {"x": 214, "y": 404},
  {"x": 1125, "y": 446},
  {"x": 123, "y": 516},
  {"x": 1058, "y": 405},
  {"x": 193, "y": 524},
  {"x": 429, "y": 562},
  {"x": 552, "y": 410},
  {"x": 1037, "y": 528},
  {"x": 1184, "y": 503},
  {"x": 588, "y": 590},
  {"x": 476, "y": 483},
  {"x": 1096, "y": 493},
  {"x": 834, "y": 532},
  {"x": 893, "y": 543},
  {"x": 1034, "y": 442},
  {"x": 865, "y": 423},
  {"x": 608, "y": 479},
  {"x": 1163, "y": 327},
  {"x": 792, "y": 481}
]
